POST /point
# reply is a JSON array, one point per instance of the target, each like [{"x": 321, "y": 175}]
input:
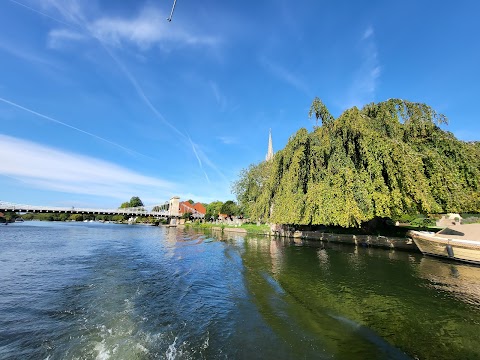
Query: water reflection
[
  {"x": 462, "y": 280},
  {"x": 147, "y": 292},
  {"x": 276, "y": 256},
  {"x": 357, "y": 302}
]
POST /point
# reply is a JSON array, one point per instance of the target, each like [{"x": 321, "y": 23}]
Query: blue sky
[{"x": 104, "y": 100}]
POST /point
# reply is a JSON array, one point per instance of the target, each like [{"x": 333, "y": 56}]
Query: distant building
[
  {"x": 270, "y": 147},
  {"x": 197, "y": 210},
  {"x": 173, "y": 206},
  {"x": 200, "y": 208},
  {"x": 222, "y": 217}
]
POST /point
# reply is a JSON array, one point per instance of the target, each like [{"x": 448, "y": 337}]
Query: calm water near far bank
[{"x": 100, "y": 291}]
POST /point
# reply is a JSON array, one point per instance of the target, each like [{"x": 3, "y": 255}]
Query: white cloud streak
[
  {"x": 149, "y": 28},
  {"x": 368, "y": 33},
  {"x": 58, "y": 37},
  {"x": 39, "y": 12},
  {"x": 28, "y": 56},
  {"x": 198, "y": 158},
  {"x": 48, "y": 168},
  {"x": 219, "y": 97},
  {"x": 227, "y": 140},
  {"x": 365, "y": 82},
  {"x": 72, "y": 127},
  {"x": 145, "y": 30},
  {"x": 285, "y": 75}
]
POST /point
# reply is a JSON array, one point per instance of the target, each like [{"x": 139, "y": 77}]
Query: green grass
[
  {"x": 256, "y": 228},
  {"x": 249, "y": 227}
]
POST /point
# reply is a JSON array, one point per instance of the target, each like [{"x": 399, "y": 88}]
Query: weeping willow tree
[{"x": 384, "y": 160}]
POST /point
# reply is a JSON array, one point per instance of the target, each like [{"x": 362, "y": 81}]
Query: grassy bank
[{"x": 250, "y": 228}]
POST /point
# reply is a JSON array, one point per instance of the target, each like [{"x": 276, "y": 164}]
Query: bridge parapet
[{"x": 139, "y": 211}]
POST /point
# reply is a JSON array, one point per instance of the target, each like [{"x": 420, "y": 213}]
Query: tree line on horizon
[
  {"x": 384, "y": 160},
  {"x": 213, "y": 209}
]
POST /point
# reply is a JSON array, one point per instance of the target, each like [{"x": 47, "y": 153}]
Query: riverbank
[{"x": 365, "y": 240}]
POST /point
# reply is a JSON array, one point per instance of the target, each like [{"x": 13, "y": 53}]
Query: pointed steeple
[{"x": 270, "y": 147}]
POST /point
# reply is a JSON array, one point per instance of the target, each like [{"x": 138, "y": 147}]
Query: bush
[
  {"x": 406, "y": 218},
  {"x": 423, "y": 222}
]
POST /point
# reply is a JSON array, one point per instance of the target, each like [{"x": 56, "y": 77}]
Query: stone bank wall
[{"x": 362, "y": 240}]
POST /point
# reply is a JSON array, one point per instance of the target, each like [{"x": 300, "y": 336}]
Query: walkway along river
[{"x": 89, "y": 290}]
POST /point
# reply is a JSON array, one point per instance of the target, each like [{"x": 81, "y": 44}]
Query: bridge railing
[{"x": 7, "y": 206}]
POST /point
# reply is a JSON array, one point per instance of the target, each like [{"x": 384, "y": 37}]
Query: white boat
[{"x": 457, "y": 242}]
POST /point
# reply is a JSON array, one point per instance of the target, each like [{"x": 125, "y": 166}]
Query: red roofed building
[
  {"x": 197, "y": 210},
  {"x": 200, "y": 208}
]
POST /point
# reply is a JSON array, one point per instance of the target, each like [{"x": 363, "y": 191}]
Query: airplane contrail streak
[
  {"x": 72, "y": 127},
  {"x": 82, "y": 26},
  {"x": 138, "y": 89},
  {"x": 198, "y": 158},
  {"x": 39, "y": 12}
]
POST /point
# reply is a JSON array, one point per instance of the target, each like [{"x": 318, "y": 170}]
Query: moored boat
[{"x": 457, "y": 242}]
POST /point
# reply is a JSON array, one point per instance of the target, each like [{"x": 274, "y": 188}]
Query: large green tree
[
  {"x": 229, "y": 208},
  {"x": 383, "y": 160},
  {"x": 213, "y": 209},
  {"x": 134, "y": 202}
]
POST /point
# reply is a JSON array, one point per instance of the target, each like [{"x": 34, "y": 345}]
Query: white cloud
[
  {"x": 219, "y": 97},
  {"x": 27, "y": 55},
  {"x": 365, "y": 81},
  {"x": 147, "y": 29},
  {"x": 368, "y": 33},
  {"x": 285, "y": 75},
  {"x": 52, "y": 169},
  {"x": 58, "y": 37},
  {"x": 71, "y": 11},
  {"x": 71, "y": 127},
  {"x": 228, "y": 140}
]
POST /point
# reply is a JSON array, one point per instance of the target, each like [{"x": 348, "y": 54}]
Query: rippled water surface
[{"x": 104, "y": 291}]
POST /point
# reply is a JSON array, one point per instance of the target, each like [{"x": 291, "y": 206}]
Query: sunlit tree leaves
[{"x": 384, "y": 160}]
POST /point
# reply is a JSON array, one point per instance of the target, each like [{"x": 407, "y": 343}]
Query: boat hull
[{"x": 461, "y": 250}]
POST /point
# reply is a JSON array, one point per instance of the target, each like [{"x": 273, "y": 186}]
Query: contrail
[
  {"x": 138, "y": 89},
  {"x": 73, "y": 127},
  {"x": 39, "y": 12},
  {"x": 198, "y": 158},
  {"x": 212, "y": 165},
  {"x": 80, "y": 24}
]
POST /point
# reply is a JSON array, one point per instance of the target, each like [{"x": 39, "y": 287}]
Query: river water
[{"x": 104, "y": 291}]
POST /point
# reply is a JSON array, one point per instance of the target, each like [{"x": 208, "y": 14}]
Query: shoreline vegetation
[
  {"x": 351, "y": 179},
  {"x": 386, "y": 160},
  {"x": 386, "y": 235}
]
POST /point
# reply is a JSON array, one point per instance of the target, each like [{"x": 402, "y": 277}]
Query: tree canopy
[
  {"x": 230, "y": 208},
  {"x": 134, "y": 202},
  {"x": 384, "y": 160},
  {"x": 213, "y": 209}
]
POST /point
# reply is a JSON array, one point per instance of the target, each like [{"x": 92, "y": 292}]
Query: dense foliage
[
  {"x": 213, "y": 209},
  {"x": 134, "y": 202},
  {"x": 230, "y": 208},
  {"x": 383, "y": 160}
]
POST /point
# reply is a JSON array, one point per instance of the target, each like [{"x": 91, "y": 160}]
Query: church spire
[{"x": 270, "y": 147}]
